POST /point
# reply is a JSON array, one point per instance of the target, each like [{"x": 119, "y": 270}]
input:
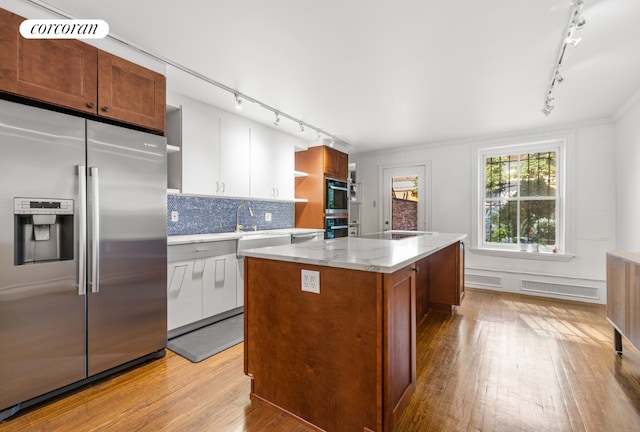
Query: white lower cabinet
[
  {"x": 201, "y": 281},
  {"x": 184, "y": 295},
  {"x": 219, "y": 287}
]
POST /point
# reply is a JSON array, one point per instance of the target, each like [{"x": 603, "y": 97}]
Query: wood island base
[{"x": 342, "y": 359}]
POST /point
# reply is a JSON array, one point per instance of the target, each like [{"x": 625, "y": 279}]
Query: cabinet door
[
  {"x": 272, "y": 165},
  {"x": 422, "y": 288},
  {"x": 399, "y": 343},
  {"x": 58, "y": 71},
  {"x": 283, "y": 177},
  {"x": 184, "y": 292},
  {"x": 235, "y": 168},
  {"x": 240, "y": 283},
  {"x": 200, "y": 149},
  {"x": 219, "y": 288},
  {"x": 444, "y": 276},
  {"x": 130, "y": 93},
  {"x": 336, "y": 164},
  {"x": 461, "y": 275}
]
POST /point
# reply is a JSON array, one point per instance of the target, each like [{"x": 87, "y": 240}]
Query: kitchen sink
[{"x": 253, "y": 241}]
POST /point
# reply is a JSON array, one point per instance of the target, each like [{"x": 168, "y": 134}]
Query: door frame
[{"x": 382, "y": 193}]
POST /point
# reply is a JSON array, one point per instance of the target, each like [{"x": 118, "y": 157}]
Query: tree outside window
[{"x": 521, "y": 200}]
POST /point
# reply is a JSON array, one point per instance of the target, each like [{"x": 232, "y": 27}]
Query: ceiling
[{"x": 381, "y": 74}]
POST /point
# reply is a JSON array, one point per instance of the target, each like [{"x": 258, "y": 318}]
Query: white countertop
[
  {"x": 380, "y": 256},
  {"x": 199, "y": 238}
]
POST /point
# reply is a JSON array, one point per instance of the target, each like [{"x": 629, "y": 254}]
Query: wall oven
[
  {"x": 336, "y": 226},
  {"x": 336, "y": 196}
]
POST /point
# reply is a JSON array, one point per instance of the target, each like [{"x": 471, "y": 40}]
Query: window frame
[{"x": 557, "y": 144}]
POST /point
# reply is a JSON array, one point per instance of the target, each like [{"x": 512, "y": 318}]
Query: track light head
[
  {"x": 277, "y": 121},
  {"x": 301, "y": 128},
  {"x": 547, "y": 109},
  {"x": 558, "y": 78},
  {"x": 572, "y": 41},
  {"x": 579, "y": 21},
  {"x": 238, "y": 102}
]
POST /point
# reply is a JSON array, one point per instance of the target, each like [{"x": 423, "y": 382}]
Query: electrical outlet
[
  {"x": 311, "y": 281},
  {"x": 174, "y": 216},
  {"x": 267, "y": 217}
]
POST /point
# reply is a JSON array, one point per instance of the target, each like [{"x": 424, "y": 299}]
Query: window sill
[{"x": 541, "y": 256}]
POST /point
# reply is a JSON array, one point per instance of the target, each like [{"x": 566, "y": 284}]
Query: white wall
[
  {"x": 628, "y": 178},
  {"x": 590, "y": 180}
]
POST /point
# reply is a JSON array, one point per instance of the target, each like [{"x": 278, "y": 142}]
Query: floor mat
[{"x": 207, "y": 341}]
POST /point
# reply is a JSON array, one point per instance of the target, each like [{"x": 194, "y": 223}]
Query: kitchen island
[{"x": 330, "y": 326}]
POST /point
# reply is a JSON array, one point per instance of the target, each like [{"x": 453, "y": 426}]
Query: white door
[{"x": 405, "y": 198}]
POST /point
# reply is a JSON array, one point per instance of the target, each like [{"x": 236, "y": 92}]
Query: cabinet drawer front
[{"x": 200, "y": 250}]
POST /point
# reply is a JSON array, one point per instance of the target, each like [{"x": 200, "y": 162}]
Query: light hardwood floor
[{"x": 502, "y": 362}]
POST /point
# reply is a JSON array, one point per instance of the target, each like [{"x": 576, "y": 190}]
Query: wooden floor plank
[{"x": 501, "y": 362}]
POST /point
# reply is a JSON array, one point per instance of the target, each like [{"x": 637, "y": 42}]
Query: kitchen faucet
[{"x": 238, "y": 226}]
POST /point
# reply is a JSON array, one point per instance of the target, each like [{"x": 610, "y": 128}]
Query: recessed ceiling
[{"x": 382, "y": 74}]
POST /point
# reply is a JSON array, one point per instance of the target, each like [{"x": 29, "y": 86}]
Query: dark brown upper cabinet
[{"x": 74, "y": 75}]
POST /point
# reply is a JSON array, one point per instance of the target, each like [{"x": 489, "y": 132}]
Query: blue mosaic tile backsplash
[{"x": 203, "y": 215}]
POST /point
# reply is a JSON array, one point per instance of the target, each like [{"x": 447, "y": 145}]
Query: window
[{"x": 522, "y": 198}]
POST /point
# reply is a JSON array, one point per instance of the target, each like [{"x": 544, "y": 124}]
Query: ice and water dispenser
[{"x": 43, "y": 230}]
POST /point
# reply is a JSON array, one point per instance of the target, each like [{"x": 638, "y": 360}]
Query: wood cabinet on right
[
  {"x": 446, "y": 278},
  {"x": 623, "y": 296}
]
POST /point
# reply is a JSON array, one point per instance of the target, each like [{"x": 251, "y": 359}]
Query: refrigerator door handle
[
  {"x": 95, "y": 230},
  {"x": 82, "y": 229}
]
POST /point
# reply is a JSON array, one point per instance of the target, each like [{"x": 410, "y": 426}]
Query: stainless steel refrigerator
[{"x": 82, "y": 251}]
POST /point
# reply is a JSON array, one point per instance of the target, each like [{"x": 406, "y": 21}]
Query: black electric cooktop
[{"x": 390, "y": 235}]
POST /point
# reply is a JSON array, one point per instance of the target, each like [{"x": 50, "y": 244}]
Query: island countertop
[{"x": 360, "y": 253}]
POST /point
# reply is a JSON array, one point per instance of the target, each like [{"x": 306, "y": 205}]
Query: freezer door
[
  {"x": 42, "y": 315},
  {"x": 127, "y": 218}
]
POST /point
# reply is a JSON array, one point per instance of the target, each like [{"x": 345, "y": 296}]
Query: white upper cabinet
[
  {"x": 235, "y": 146},
  {"x": 223, "y": 154},
  {"x": 272, "y": 164},
  {"x": 200, "y": 148}
]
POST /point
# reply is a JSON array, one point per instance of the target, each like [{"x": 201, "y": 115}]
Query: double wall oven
[{"x": 336, "y": 213}]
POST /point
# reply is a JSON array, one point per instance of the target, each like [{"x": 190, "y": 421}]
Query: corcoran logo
[{"x": 64, "y": 29}]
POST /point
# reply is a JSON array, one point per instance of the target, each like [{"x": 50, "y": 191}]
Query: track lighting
[
  {"x": 238, "y": 102},
  {"x": 301, "y": 128},
  {"x": 576, "y": 22},
  {"x": 277, "y": 122}
]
